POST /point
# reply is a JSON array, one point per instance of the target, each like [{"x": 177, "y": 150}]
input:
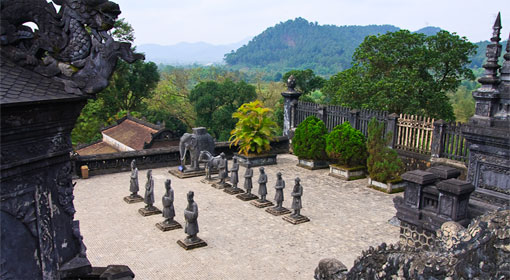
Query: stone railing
[{"x": 153, "y": 158}]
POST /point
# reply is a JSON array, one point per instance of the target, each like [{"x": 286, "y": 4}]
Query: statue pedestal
[
  {"x": 277, "y": 212},
  {"x": 221, "y": 186},
  {"x": 261, "y": 203},
  {"x": 233, "y": 190},
  {"x": 166, "y": 227},
  {"x": 133, "y": 199},
  {"x": 149, "y": 212},
  {"x": 187, "y": 174},
  {"x": 78, "y": 266},
  {"x": 295, "y": 220},
  {"x": 247, "y": 196},
  {"x": 187, "y": 245}
]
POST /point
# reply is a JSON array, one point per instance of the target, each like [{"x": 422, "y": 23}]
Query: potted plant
[
  {"x": 384, "y": 166},
  {"x": 253, "y": 133},
  {"x": 309, "y": 143},
  {"x": 345, "y": 145}
]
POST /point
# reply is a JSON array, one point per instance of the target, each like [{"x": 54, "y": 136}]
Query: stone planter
[
  {"x": 256, "y": 160},
  {"x": 389, "y": 187},
  {"x": 312, "y": 164},
  {"x": 347, "y": 173}
]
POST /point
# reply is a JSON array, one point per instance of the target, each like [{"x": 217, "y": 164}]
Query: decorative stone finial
[
  {"x": 291, "y": 84},
  {"x": 497, "y": 29},
  {"x": 490, "y": 79}
]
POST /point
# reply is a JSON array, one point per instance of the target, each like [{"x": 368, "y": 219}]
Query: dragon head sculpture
[{"x": 72, "y": 46}]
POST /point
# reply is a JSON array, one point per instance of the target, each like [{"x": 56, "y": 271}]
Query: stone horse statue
[
  {"x": 211, "y": 162},
  {"x": 194, "y": 143}
]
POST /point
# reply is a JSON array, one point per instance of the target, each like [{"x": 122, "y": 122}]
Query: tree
[
  {"x": 306, "y": 80},
  {"x": 215, "y": 102},
  {"x": 172, "y": 95},
  {"x": 404, "y": 72},
  {"x": 123, "y": 31},
  {"x": 130, "y": 84}
]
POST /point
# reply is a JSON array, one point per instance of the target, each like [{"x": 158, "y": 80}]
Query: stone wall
[{"x": 154, "y": 158}]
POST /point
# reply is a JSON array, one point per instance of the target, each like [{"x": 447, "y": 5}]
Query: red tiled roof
[
  {"x": 97, "y": 148},
  {"x": 131, "y": 133}
]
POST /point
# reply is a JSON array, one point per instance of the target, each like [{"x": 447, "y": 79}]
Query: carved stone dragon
[
  {"x": 72, "y": 46},
  {"x": 482, "y": 251}
]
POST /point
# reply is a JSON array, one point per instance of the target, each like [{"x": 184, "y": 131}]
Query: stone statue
[
  {"x": 223, "y": 168},
  {"x": 234, "y": 176},
  {"x": 134, "y": 197},
  {"x": 262, "y": 184},
  {"x": 168, "y": 203},
  {"x": 211, "y": 162},
  {"x": 278, "y": 197},
  {"x": 149, "y": 191},
  {"x": 191, "y": 241},
  {"x": 194, "y": 143},
  {"x": 191, "y": 215},
  {"x": 262, "y": 202},
  {"x": 72, "y": 46},
  {"x": 248, "y": 174},
  {"x": 279, "y": 186},
  {"x": 133, "y": 184},
  {"x": 168, "y": 209},
  {"x": 297, "y": 192},
  {"x": 296, "y": 217}
]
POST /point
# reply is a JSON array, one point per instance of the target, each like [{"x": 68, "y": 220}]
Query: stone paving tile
[{"x": 244, "y": 242}]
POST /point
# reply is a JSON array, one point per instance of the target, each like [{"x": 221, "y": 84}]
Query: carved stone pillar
[
  {"x": 290, "y": 98},
  {"x": 488, "y": 131},
  {"x": 37, "y": 208}
]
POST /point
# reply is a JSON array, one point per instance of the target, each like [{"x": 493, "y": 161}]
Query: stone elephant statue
[{"x": 194, "y": 143}]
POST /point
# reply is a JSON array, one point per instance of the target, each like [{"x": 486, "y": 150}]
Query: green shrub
[
  {"x": 309, "y": 141},
  {"x": 254, "y": 129},
  {"x": 383, "y": 163},
  {"x": 346, "y": 145}
]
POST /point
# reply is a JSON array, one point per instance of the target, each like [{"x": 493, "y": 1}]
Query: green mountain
[{"x": 299, "y": 44}]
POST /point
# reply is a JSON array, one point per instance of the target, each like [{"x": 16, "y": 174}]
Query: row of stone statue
[
  {"x": 246, "y": 195},
  {"x": 190, "y": 213}
]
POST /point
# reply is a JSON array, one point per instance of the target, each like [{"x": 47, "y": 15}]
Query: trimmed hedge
[
  {"x": 346, "y": 145},
  {"x": 309, "y": 141}
]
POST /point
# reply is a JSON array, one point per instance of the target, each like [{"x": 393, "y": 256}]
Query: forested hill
[{"x": 299, "y": 44}]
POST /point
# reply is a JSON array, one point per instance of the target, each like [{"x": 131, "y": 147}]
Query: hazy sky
[{"x": 168, "y": 22}]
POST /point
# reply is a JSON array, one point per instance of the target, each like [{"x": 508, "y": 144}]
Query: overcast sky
[{"x": 169, "y": 22}]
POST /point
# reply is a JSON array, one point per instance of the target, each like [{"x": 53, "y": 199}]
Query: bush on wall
[{"x": 309, "y": 141}]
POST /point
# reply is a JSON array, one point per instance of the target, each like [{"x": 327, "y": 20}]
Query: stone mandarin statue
[
  {"x": 133, "y": 184},
  {"x": 278, "y": 197},
  {"x": 191, "y": 216},
  {"x": 234, "y": 176},
  {"x": 223, "y": 169},
  {"x": 168, "y": 203},
  {"x": 262, "y": 184},
  {"x": 191, "y": 241},
  {"x": 296, "y": 194},
  {"x": 279, "y": 186},
  {"x": 248, "y": 174},
  {"x": 149, "y": 191}
]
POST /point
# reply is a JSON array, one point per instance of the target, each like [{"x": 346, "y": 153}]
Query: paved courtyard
[{"x": 244, "y": 242}]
